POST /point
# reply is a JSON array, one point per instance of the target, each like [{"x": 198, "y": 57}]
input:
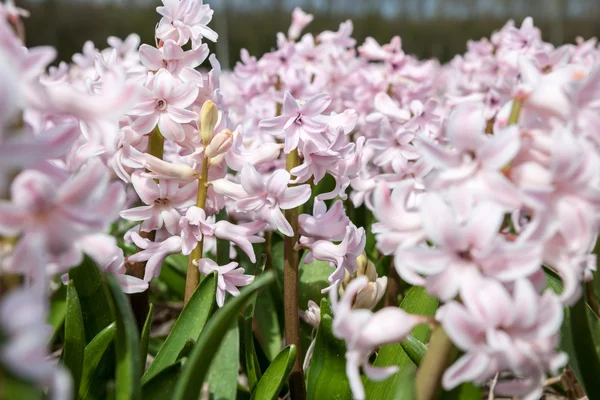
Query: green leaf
[
  {"x": 326, "y": 376},
  {"x": 58, "y": 311},
  {"x": 252, "y": 368},
  {"x": 98, "y": 364},
  {"x": 145, "y": 338},
  {"x": 417, "y": 301},
  {"x": 127, "y": 345},
  {"x": 12, "y": 387},
  {"x": 276, "y": 375},
  {"x": 174, "y": 280},
  {"x": 190, "y": 323},
  {"x": 93, "y": 297},
  {"x": 583, "y": 350},
  {"x": 414, "y": 348},
  {"x": 198, "y": 363},
  {"x": 466, "y": 391},
  {"x": 161, "y": 385},
  {"x": 553, "y": 281},
  {"x": 222, "y": 245},
  {"x": 223, "y": 374},
  {"x": 269, "y": 331},
  {"x": 74, "y": 346},
  {"x": 187, "y": 349}
]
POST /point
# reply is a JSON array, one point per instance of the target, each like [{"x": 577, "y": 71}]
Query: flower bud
[
  {"x": 219, "y": 144},
  {"x": 368, "y": 296},
  {"x": 209, "y": 115},
  {"x": 166, "y": 169}
]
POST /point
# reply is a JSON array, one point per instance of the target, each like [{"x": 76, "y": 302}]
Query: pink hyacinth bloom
[
  {"x": 266, "y": 197},
  {"x": 238, "y": 155},
  {"x": 365, "y": 331},
  {"x": 477, "y": 160},
  {"x": 342, "y": 255},
  {"x": 60, "y": 208},
  {"x": 324, "y": 224},
  {"x": 501, "y": 331},
  {"x": 195, "y": 226},
  {"x": 400, "y": 223},
  {"x": 165, "y": 104},
  {"x": 230, "y": 277},
  {"x": 23, "y": 315},
  {"x": 298, "y": 122},
  {"x": 163, "y": 200},
  {"x": 184, "y": 20},
  {"x": 172, "y": 57},
  {"x": 300, "y": 20},
  {"x": 464, "y": 246},
  {"x": 154, "y": 253}
]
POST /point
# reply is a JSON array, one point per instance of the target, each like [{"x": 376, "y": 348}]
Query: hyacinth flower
[
  {"x": 298, "y": 122},
  {"x": 230, "y": 277},
  {"x": 265, "y": 198},
  {"x": 365, "y": 331}
]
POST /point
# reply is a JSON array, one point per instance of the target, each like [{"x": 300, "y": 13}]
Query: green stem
[
  {"x": 515, "y": 111},
  {"x": 290, "y": 293},
  {"x": 193, "y": 274},
  {"x": 440, "y": 354}
]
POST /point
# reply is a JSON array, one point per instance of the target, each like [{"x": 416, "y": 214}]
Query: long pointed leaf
[
  {"x": 58, "y": 311},
  {"x": 326, "y": 376},
  {"x": 196, "y": 368},
  {"x": 145, "y": 338},
  {"x": 584, "y": 348},
  {"x": 252, "y": 368},
  {"x": 161, "y": 385},
  {"x": 74, "y": 337},
  {"x": 190, "y": 323},
  {"x": 223, "y": 374},
  {"x": 93, "y": 297},
  {"x": 127, "y": 345},
  {"x": 98, "y": 364},
  {"x": 276, "y": 375}
]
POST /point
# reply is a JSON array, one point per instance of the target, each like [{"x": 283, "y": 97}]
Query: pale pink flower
[
  {"x": 466, "y": 243},
  {"x": 230, "y": 277},
  {"x": 165, "y": 104},
  {"x": 184, "y": 20},
  {"x": 23, "y": 315},
  {"x": 300, "y": 20},
  {"x": 324, "y": 224},
  {"x": 365, "y": 331},
  {"x": 154, "y": 253},
  {"x": 265, "y": 197},
  {"x": 163, "y": 200},
  {"x": 172, "y": 57},
  {"x": 343, "y": 255},
  {"x": 298, "y": 123},
  {"x": 195, "y": 226},
  {"x": 60, "y": 208},
  {"x": 501, "y": 331}
]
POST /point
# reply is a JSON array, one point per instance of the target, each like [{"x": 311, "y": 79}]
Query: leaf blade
[
  {"x": 276, "y": 375},
  {"x": 73, "y": 351}
]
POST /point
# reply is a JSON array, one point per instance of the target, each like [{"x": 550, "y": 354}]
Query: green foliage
[
  {"x": 74, "y": 345},
  {"x": 190, "y": 323},
  {"x": 161, "y": 386},
  {"x": 198, "y": 364},
  {"x": 276, "y": 375},
  {"x": 58, "y": 311},
  {"x": 416, "y": 301},
  {"x": 223, "y": 374},
  {"x": 98, "y": 364},
  {"x": 145, "y": 338},
  {"x": 93, "y": 297},
  {"x": 267, "y": 324},
  {"x": 127, "y": 345},
  {"x": 326, "y": 376}
]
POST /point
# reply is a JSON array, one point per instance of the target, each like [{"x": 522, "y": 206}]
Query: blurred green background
[{"x": 429, "y": 28}]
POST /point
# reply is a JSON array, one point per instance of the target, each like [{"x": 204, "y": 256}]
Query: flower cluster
[{"x": 480, "y": 174}]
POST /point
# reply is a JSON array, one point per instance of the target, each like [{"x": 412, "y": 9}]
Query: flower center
[
  {"x": 298, "y": 120},
  {"x": 161, "y": 201},
  {"x": 161, "y": 104}
]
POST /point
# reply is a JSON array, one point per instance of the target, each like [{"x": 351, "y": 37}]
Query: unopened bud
[
  {"x": 219, "y": 144},
  {"x": 361, "y": 262},
  {"x": 209, "y": 115},
  {"x": 370, "y": 295},
  {"x": 166, "y": 169}
]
